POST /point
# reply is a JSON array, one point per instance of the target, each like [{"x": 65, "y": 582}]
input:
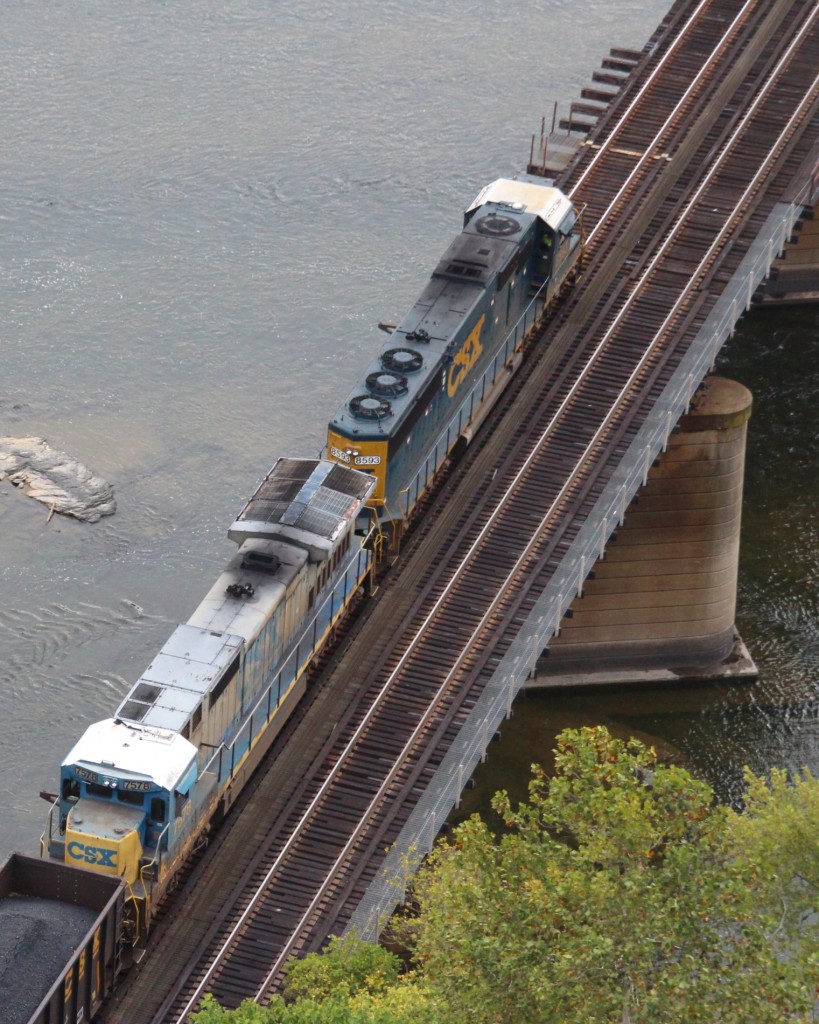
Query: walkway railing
[{"x": 462, "y": 416}]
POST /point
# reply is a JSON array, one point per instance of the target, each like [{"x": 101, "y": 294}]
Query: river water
[{"x": 206, "y": 208}]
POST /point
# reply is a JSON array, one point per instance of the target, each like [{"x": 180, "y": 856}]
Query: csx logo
[
  {"x": 93, "y": 854},
  {"x": 469, "y": 353}
]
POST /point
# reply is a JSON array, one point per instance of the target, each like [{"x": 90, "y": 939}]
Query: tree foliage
[
  {"x": 619, "y": 893},
  {"x": 352, "y": 982}
]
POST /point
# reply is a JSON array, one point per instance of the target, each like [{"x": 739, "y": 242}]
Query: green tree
[
  {"x": 621, "y": 893},
  {"x": 352, "y": 982}
]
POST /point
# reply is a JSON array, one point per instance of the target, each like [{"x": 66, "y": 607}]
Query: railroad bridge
[{"x": 694, "y": 173}]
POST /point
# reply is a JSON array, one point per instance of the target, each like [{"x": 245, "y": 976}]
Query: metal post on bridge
[
  {"x": 647, "y": 460},
  {"x": 433, "y": 830}
]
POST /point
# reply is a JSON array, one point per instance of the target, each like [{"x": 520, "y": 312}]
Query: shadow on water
[{"x": 716, "y": 730}]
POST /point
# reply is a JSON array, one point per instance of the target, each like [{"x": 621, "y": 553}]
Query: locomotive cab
[
  {"x": 114, "y": 817},
  {"x": 558, "y": 229}
]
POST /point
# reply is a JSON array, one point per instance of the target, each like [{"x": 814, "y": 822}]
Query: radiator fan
[
  {"x": 497, "y": 226},
  {"x": 368, "y": 407},
  {"x": 389, "y": 385},
  {"x": 402, "y": 360}
]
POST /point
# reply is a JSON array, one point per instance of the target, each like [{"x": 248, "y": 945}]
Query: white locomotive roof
[
  {"x": 545, "y": 201},
  {"x": 115, "y": 749},
  {"x": 306, "y": 501},
  {"x": 269, "y": 567},
  {"x": 186, "y": 667}
]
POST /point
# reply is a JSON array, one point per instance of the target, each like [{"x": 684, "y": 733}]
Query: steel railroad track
[{"x": 381, "y": 722}]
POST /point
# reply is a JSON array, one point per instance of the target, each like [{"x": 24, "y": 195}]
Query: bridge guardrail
[{"x": 443, "y": 793}]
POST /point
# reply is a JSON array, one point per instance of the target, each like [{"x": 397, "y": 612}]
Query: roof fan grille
[
  {"x": 369, "y": 407},
  {"x": 497, "y": 226},
  {"x": 402, "y": 360},
  {"x": 390, "y": 385}
]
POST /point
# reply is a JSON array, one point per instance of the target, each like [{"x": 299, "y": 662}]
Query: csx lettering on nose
[{"x": 93, "y": 854}]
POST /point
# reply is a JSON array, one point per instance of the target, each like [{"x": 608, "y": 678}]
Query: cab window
[
  {"x": 180, "y": 799},
  {"x": 71, "y": 790},
  {"x": 127, "y": 797},
  {"x": 158, "y": 809}
]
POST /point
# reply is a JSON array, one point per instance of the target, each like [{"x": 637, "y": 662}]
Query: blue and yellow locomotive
[
  {"x": 138, "y": 790},
  {"x": 450, "y": 356}
]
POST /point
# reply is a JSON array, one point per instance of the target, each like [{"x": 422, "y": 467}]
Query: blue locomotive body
[{"x": 450, "y": 356}]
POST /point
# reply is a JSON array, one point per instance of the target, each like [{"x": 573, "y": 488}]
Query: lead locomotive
[{"x": 450, "y": 356}]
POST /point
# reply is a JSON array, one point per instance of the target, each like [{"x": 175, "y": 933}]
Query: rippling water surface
[{"x": 205, "y": 208}]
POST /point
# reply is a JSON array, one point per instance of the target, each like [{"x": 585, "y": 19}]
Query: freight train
[{"x": 141, "y": 789}]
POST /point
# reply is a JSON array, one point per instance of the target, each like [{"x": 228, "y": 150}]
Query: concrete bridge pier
[{"x": 661, "y": 605}]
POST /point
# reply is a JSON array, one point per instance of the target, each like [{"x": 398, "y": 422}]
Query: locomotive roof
[
  {"x": 188, "y": 664},
  {"x": 124, "y": 748},
  {"x": 544, "y": 201},
  {"x": 269, "y": 566},
  {"x": 302, "y": 500}
]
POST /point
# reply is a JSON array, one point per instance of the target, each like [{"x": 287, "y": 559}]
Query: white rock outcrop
[{"x": 59, "y": 481}]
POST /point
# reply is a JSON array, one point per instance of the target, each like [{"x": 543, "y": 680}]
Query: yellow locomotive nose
[{"x": 104, "y": 837}]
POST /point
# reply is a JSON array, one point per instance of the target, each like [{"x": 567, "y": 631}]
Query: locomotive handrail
[
  {"x": 48, "y": 827},
  {"x": 155, "y": 860},
  {"x": 217, "y": 753},
  {"x": 244, "y": 733},
  {"x": 480, "y": 383}
]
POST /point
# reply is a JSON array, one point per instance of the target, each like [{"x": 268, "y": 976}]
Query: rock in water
[{"x": 55, "y": 479}]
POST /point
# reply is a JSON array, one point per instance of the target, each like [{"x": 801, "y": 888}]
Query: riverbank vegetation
[{"x": 619, "y": 892}]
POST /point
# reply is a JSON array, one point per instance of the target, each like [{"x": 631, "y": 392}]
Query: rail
[{"x": 495, "y": 704}]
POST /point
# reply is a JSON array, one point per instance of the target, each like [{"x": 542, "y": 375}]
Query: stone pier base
[{"x": 661, "y": 605}]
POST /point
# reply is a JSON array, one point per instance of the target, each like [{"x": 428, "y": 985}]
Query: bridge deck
[{"x": 681, "y": 175}]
